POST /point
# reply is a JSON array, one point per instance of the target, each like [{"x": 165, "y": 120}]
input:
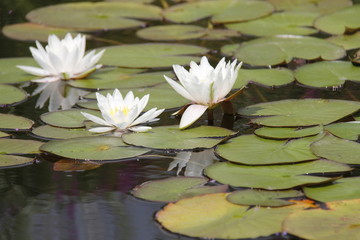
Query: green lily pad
[
  {"x": 253, "y": 150},
  {"x": 220, "y": 34},
  {"x": 150, "y": 55},
  {"x": 10, "y": 95},
  {"x": 171, "y": 32},
  {"x": 138, "y": 1},
  {"x": 327, "y": 74},
  {"x": 33, "y": 31},
  {"x": 9, "y": 73},
  {"x": 71, "y": 118},
  {"x": 274, "y": 176},
  {"x": 263, "y": 198},
  {"x": 282, "y": 49},
  {"x": 9, "y": 161},
  {"x": 285, "y": 133},
  {"x": 339, "y": 22},
  {"x": 299, "y": 112},
  {"x": 212, "y": 216},
  {"x": 341, "y": 189},
  {"x": 320, "y": 6},
  {"x": 95, "y": 15},
  {"x": 49, "y": 132},
  {"x": 266, "y": 77},
  {"x": 297, "y": 23},
  {"x": 175, "y": 188},
  {"x": 92, "y": 148},
  {"x": 337, "y": 149},
  {"x": 340, "y": 220},
  {"x": 11, "y": 122},
  {"x": 171, "y": 137},
  {"x": 346, "y": 41},
  {"x": 348, "y": 130},
  {"x": 221, "y": 11},
  {"x": 3, "y": 135},
  {"x": 19, "y": 146}
]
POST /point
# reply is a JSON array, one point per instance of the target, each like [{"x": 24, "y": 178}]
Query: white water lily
[
  {"x": 204, "y": 86},
  {"x": 63, "y": 59},
  {"x": 121, "y": 114}
]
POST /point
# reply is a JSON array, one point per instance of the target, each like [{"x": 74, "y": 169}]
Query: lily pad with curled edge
[
  {"x": 337, "y": 149},
  {"x": 92, "y": 148},
  {"x": 151, "y": 55},
  {"x": 263, "y": 198},
  {"x": 285, "y": 133},
  {"x": 9, "y": 73},
  {"x": 19, "y": 146},
  {"x": 219, "y": 11},
  {"x": 341, "y": 189},
  {"x": 320, "y": 6},
  {"x": 172, "y": 138},
  {"x": 282, "y": 49},
  {"x": 346, "y": 41},
  {"x": 67, "y": 165},
  {"x": 49, "y": 132},
  {"x": 33, "y": 31},
  {"x": 265, "y": 77},
  {"x": 253, "y": 150},
  {"x": 327, "y": 74},
  {"x": 211, "y": 216},
  {"x": 175, "y": 188},
  {"x": 299, "y": 112},
  {"x": 71, "y": 118},
  {"x": 337, "y": 220},
  {"x": 11, "y": 161},
  {"x": 275, "y": 176},
  {"x": 10, "y": 95},
  {"x": 95, "y": 15},
  {"x": 297, "y": 23},
  {"x": 10, "y": 122},
  {"x": 339, "y": 22}
]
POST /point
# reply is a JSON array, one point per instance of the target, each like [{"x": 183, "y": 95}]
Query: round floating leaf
[
  {"x": 346, "y": 41},
  {"x": 283, "y": 48},
  {"x": 71, "y": 118},
  {"x": 342, "y": 189},
  {"x": 50, "y": 132},
  {"x": 171, "y": 32},
  {"x": 9, "y": 161},
  {"x": 212, "y": 216},
  {"x": 285, "y": 133},
  {"x": 327, "y": 74},
  {"x": 220, "y": 10},
  {"x": 138, "y": 1},
  {"x": 348, "y": 130},
  {"x": 171, "y": 137},
  {"x": 12, "y": 122},
  {"x": 32, "y": 31},
  {"x": 320, "y": 6},
  {"x": 339, "y": 220},
  {"x": 10, "y": 95},
  {"x": 337, "y": 149},
  {"x": 175, "y": 188},
  {"x": 150, "y": 55},
  {"x": 297, "y": 23},
  {"x": 9, "y": 73},
  {"x": 92, "y": 148},
  {"x": 263, "y": 198},
  {"x": 340, "y": 21},
  {"x": 19, "y": 146},
  {"x": 266, "y": 77},
  {"x": 74, "y": 165},
  {"x": 275, "y": 176},
  {"x": 94, "y": 15},
  {"x": 302, "y": 112},
  {"x": 253, "y": 150}
]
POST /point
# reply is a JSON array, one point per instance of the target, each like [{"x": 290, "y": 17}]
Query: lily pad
[
  {"x": 320, "y": 6},
  {"x": 171, "y": 32},
  {"x": 138, "y": 1},
  {"x": 92, "y": 148},
  {"x": 19, "y": 146},
  {"x": 71, "y": 118},
  {"x": 263, "y": 198},
  {"x": 70, "y": 165},
  {"x": 299, "y": 112},
  {"x": 150, "y": 55},
  {"x": 49, "y": 132},
  {"x": 341, "y": 189},
  {"x": 340, "y": 220},
  {"x": 221, "y": 11},
  {"x": 274, "y": 176},
  {"x": 337, "y": 149},
  {"x": 339, "y": 22},
  {"x": 10, "y": 161},
  {"x": 95, "y": 15},
  {"x": 9, "y": 73},
  {"x": 175, "y": 188},
  {"x": 266, "y": 77},
  {"x": 297, "y": 23},
  {"x": 282, "y": 49},
  {"x": 285, "y": 133},
  {"x": 12, "y": 122},
  {"x": 171, "y": 137},
  {"x": 348, "y": 130},
  {"x": 327, "y": 74},
  {"x": 253, "y": 150},
  {"x": 10, "y": 95},
  {"x": 346, "y": 41},
  {"x": 3, "y": 135}
]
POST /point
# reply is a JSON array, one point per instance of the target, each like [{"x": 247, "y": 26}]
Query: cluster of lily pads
[{"x": 300, "y": 153}]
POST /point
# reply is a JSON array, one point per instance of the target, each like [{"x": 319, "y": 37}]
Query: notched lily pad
[
  {"x": 10, "y": 95},
  {"x": 71, "y": 118},
  {"x": 19, "y": 146},
  {"x": 266, "y": 77},
  {"x": 171, "y": 32},
  {"x": 10, "y": 161},
  {"x": 10, "y": 122}
]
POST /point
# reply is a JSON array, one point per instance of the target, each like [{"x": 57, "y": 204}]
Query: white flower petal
[
  {"x": 191, "y": 114},
  {"x": 179, "y": 89},
  {"x": 95, "y": 119},
  {"x": 101, "y": 129},
  {"x": 140, "y": 128},
  {"x": 46, "y": 79},
  {"x": 33, "y": 70}
]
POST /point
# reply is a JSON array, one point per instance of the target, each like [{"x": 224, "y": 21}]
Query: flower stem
[
  {"x": 227, "y": 107},
  {"x": 210, "y": 115}
]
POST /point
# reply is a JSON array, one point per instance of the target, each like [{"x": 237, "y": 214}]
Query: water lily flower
[
  {"x": 63, "y": 59},
  {"x": 121, "y": 114},
  {"x": 204, "y": 86}
]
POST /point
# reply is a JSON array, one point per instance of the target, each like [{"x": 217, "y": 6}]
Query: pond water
[{"x": 39, "y": 201}]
